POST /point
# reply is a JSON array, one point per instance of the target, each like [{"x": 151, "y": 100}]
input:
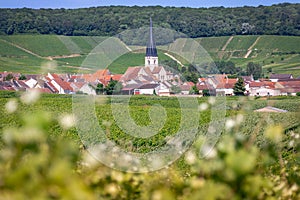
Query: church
[{"x": 152, "y": 72}]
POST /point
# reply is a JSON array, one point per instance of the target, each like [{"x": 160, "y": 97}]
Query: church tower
[{"x": 151, "y": 58}]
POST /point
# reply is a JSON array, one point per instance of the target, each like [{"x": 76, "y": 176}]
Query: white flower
[
  {"x": 67, "y": 121},
  {"x": 190, "y": 157},
  {"x": 211, "y": 100},
  {"x": 30, "y": 96},
  {"x": 203, "y": 106},
  {"x": 230, "y": 123},
  {"x": 11, "y": 106},
  {"x": 208, "y": 152}
]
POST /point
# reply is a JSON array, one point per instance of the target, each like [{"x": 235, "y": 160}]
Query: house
[
  {"x": 147, "y": 89},
  {"x": 280, "y": 77},
  {"x": 185, "y": 88},
  {"x": 87, "y": 89},
  {"x": 225, "y": 86},
  {"x": 32, "y": 83},
  {"x": 290, "y": 87},
  {"x": 50, "y": 86},
  {"x": 201, "y": 86},
  {"x": 20, "y": 85},
  {"x": 142, "y": 74},
  {"x": 7, "y": 85},
  {"x": 262, "y": 88},
  {"x": 161, "y": 74},
  {"x": 61, "y": 86}
]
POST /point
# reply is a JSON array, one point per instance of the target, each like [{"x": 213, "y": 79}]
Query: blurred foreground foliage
[{"x": 35, "y": 164}]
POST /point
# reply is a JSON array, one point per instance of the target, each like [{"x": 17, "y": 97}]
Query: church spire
[{"x": 151, "y": 48}]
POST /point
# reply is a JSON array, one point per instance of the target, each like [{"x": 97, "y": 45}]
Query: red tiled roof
[
  {"x": 116, "y": 77},
  {"x": 226, "y": 83},
  {"x": 290, "y": 84},
  {"x": 190, "y": 83},
  {"x": 131, "y": 73},
  {"x": 266, "y": 84},
  {"x": 64, "y": 85},
  {"x": 185, "y": 87},
  {"x": 55, "y": 76},
  {"x": 202, "y": 86}
]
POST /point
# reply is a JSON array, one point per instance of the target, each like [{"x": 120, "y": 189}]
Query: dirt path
[
  {"x": 251, "y": 47},
  {"x": 227, "y": 43},
  {"x": 221, "y": 53},
  {"x": 64, "y": 56},
  {"x": 81, "y": 68},
  {"x": 173, "y": 58},
  {"x": 23, "y": 49}
]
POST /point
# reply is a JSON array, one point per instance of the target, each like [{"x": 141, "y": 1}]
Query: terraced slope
[{"x": 27, "y": 53}]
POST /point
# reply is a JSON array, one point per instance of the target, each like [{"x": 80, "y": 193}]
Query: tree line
[{"x": 280, "y": 19}]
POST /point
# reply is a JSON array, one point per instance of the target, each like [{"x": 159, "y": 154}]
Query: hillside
[
  {"x": 280, "y": 19},
  {"x": 27, "y": 53}
]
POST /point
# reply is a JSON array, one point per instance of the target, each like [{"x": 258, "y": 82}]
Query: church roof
[{"x": 151, "y": 48}]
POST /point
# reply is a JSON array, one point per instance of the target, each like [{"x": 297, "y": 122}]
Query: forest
[{"x": 279, "y": 19}]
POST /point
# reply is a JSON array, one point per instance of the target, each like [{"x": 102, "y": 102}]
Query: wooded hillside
[{"x": 281, "y": 19}]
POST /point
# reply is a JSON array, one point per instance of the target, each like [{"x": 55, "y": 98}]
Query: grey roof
[
  {"x": 151, "y": 48},
  {"x": 149, "y": 86},
  {"x": 280, "y": 76},
  {"x": 271, "y": 109}
]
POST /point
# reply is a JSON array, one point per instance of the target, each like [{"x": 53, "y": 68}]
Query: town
[
  {"x": 150, "y": 79},
  {"x": 144, "y": 81}
]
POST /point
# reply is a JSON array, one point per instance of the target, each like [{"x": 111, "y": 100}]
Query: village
[{"x": 150, "y": 79}]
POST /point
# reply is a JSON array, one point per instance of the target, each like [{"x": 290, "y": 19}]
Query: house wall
[
  {"x": 264, "y": 92},
  {"x": 87, "y": 90},
  {"x": 146, "y": 91},
  {"x": 225, "y": 91},
  {"x": 57, "y": 86}
]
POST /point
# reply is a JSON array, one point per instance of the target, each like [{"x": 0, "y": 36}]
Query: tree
[
  {"x": 175, "y": 89},
  {"x": 113, "y": 87},
  {"x": 22, "y": 77},
  {"x": 206, "y": 93},
  {"x": 254, "y": 69},
  {"x": 239, "y": 88},
  {"x": 99, "y": 88},
  {"x": 9, "y": 77},
  {"x": 194, "y": 90}
]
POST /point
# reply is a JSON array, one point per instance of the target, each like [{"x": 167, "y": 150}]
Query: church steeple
[
  {"x": 151, "y": 58},
  {"x": 151, "y": 48}
]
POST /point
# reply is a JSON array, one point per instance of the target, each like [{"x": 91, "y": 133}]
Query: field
[
  {"x": 27, "y": 53},
  {"x": 256, "y": 156}
]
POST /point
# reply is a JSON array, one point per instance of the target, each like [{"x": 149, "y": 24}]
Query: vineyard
[
  {"x": 28, "y": 53},
  {"x": 256, "y": 155}
]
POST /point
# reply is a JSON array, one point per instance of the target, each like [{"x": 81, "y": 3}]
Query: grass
[
  {"x": 43, "y": 45},
  {"x": 281, "y": 53},
  {"x": 279, "y": 44},
  {"x": 241, "y": 43},
  {"x": 120, "y": 65},
  {"x": 213, "y": 44}
]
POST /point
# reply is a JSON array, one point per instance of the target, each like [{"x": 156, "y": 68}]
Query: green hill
[{"x": 27, "y": 53}]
